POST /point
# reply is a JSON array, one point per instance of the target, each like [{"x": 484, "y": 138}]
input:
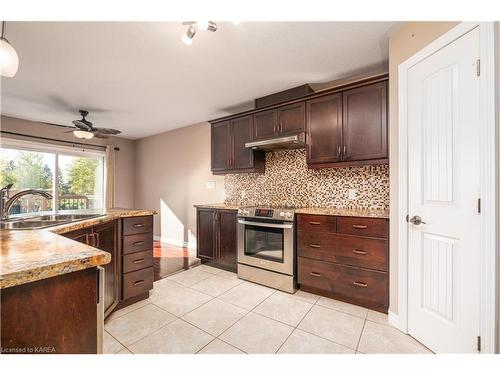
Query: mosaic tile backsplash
[{"x": 288, "y": 182}]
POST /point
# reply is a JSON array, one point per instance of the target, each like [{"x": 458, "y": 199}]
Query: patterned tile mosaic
[{"x": 288, "y": 182}]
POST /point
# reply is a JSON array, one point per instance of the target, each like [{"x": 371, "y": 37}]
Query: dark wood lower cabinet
[
  {"x": 216, "y": 237},
  {"x": 54, "y": 315}
]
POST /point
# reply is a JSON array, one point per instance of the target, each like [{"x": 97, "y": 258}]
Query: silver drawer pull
[
  {"x": 315, "y": 246},
  {"x": 359, "y": 226},
  {"x": 138, "y": 261},
  {"x": 139, "y": 225},
  {"x": 314, "y": 223},
  {"x": 137, "y": 243},
  {"x": 360, "y": 252},
  {"x": 315, "y": 274},
  {"x": 360, "y": 284},
  {"x": 139, "y": 282}
]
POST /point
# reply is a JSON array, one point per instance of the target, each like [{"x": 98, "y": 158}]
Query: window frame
[{"x": 56, "y": 150}]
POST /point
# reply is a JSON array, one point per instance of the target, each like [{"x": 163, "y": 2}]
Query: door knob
[{"x": 417, "y": 220}]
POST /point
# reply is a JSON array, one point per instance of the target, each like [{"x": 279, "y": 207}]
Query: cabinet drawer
[
  {"x": 138, "y": 224},
  {"x": 351, "y": 282},
  {"x": 137, "y": 282},
  {"x": 355, "y": 251},
  {"x": 316, "y": 223},
  {"x": 362, "y": 226},
  {"x": 137, "y": 261},
  {"x": 137, "y": 242}
]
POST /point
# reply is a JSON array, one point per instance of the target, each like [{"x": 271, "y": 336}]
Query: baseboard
[
  {"x": 178, "y": 243},
  {"x": 393, "y": 319}
]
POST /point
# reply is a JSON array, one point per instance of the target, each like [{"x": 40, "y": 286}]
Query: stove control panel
[{"x": 267, "y": 213}]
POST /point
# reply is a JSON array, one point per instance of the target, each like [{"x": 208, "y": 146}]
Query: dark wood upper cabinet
[
  {"x": 365, "y": 122},
  {"x": 205, "y": 231},
  {"x": 227, "y": 241},
  {"x": 292, "y": 119},
  {"x": 324, "y": 129},
  {"x": 266, "y": 124},
  {"x": 241, "y": 129},
  {"x": 221, "y": 146}
]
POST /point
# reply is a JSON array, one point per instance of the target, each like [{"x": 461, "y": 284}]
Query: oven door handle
[{"x": 268, "y": 225}]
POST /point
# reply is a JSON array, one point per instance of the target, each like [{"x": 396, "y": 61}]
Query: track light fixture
[{"x": 192, "y": 26}]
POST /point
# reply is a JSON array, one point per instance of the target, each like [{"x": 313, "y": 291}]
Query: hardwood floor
[{"x": 168, "y": 259}]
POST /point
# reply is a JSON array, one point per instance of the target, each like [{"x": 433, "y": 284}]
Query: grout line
[
  {"x": 324, "y": 338},
  {"x": 360, "y": 334}
]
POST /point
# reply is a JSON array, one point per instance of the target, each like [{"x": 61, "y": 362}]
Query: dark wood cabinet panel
[
  {"x": 365, "y": 122},
  {"x": 363, "y": 226},
  {"x": 81, "y": 235},
  {"x": 136, "y": 261},
  {"x": 292, "y": 119},
  {"x": 324, "y": 129},
  {"x": 205, "y": 231},
  {"x": 137, "y": 242},
  {"x": 241, "y": 131},
  {"x": 316, "y": 223},
  {"x": 227, "y": 241},
  {"x": 265, "y": 124},
  {"x": 137, "y": 224},
  {"x": 137, "y": 283},
  {"x": 221, "y": 146}
]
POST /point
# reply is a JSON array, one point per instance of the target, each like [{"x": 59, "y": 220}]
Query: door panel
[
  {"x": 221, "y": 147},
  {"x": 324, "y": 127},
  {"x": 292, "y": 118},
  {"x": 443, "y": 161},
  {"x": 365, "y": 122},
  {"x": 227, "y": 238},
  {"x": 205, "y": 232},
  {"x": 265, "y": 124},
  {"x": 242, "y": 129}
]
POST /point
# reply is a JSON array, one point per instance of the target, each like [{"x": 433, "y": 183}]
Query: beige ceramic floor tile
[
  {"x": 301, "y": 342},
  {"x": 138, "y": 324},
  {"x": 163, "y": 288},
  {"x": 219, "y": 347},
  {"x": 257, "y": 334},
  {"x": 247, "y": 295},
  {"x": 343, "y": 307},
  {"x": 215, "y": 316},
  {"x": 378, "y": 317},
  {"x": 210, "y": 269},
  {"x": 110, "y": 344},
  {"x": 180, "y": 301},
  {"x": 215, "y": 285},
  {"x": 126, "y": 310},
  {"x": 178, "y": 337},
  {"x": 306, "y": 296},
  {"x": 333, "y": 325},
  {"x": 190, "y": 277},
  {"x": 283, "y": 308},
  {"x": 228, "y": 275},
  {"x": 378, "y": 339}
]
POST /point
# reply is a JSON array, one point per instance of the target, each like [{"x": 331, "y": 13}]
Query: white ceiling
[{"x": 140, "y": 78}]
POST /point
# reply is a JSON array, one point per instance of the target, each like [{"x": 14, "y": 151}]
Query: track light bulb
[{"x": 188, "y": 36}]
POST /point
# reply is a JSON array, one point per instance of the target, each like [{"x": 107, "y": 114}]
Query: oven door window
[{"x": 265, "y": 243}]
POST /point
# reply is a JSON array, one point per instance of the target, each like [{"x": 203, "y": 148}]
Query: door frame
[{"x": 488, "y": 178}]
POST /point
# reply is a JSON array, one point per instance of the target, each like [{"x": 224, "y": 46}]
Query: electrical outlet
[
  {"x": 351, "y": 194},
  {"x": 210, "y": 185},
  {"x": 243, "y": 194}
]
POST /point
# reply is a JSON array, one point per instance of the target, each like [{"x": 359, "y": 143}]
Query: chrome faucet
[{"x": 6, "y": 203}]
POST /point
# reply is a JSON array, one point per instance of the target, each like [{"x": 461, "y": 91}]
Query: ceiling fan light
[
  {"x": 188, "y": 36},
  {"x": 203, "y": 25},
  {"x": 9, "y": 61},
  {"x": 82, "y": 134}
]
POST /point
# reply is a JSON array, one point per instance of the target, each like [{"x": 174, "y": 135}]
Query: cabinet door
[
  {"x": 365, "y": 122},
  {"x": 221, "y": 146},
  {"x": 292, "y": 118},
  {"x": 265, "y": 124},
  {"x": 205, "y": 231},
  {"x": 81, "y": 235},
  {"x": 241, "y": 131},
  {"x": 106, "y": 239},
  {"x": 324, "y": 129},
  {"x": 227, "y": 238}
]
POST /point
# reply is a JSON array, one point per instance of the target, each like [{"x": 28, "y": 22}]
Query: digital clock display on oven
[{"x": 263, "y": 212}]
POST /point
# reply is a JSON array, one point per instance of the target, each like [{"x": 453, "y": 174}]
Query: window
[{"x": 75, "y": 177}]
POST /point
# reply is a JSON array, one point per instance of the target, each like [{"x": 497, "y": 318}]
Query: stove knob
[
  {"x": 288, "y": 215},
  {"x": 245, "y": 212},
  {"x": 240, "y": 212},
  {"x": 282, "y": 214}
]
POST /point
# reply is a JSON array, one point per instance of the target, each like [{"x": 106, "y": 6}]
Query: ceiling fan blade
[
  {"x": 108, "y": 131},
  {"x": 83, "y": 125},
  {"x": 99, "y": 135}
]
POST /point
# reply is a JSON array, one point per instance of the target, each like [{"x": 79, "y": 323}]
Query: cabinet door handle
[
  {"x": 359, "y": 226},
  {"x": 281, "y": 127},
  {"x": 314, "y": 223},
  {"x": 138, "y": 225},
  {"x": 338, "y": 151},
  {"x": 345, "y": 149},
  {"x": 360, "y": 284},
  {"x": 315, "y": 246},
  {"x": 139, "y": 282},
  {"x": 138, "y": 261},
  {"x": 315, "y": 274},
  {"x": 360, "y": 252},
  {"x": 137, "y": 243},
  {"x": 97, "y": 240}
]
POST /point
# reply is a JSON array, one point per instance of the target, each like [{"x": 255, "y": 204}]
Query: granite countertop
[
  {"x": 31, "y": 255},
  {"x": 332, "y": 211}
]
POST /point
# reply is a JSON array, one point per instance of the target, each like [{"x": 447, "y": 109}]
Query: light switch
[
  {"x": 210, "y": 184},
  {"x": 351, "y": 194}
]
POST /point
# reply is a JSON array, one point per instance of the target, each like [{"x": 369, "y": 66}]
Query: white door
[{"x": 443, "y": 190}]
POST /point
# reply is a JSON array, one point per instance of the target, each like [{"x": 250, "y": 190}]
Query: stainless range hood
[{"x": 279, "y": 143}]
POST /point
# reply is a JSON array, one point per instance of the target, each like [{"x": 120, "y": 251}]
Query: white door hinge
[{"x": 478, "y": 67}]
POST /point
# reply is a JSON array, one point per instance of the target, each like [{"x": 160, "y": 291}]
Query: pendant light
[{"x": 9, "y": 61}]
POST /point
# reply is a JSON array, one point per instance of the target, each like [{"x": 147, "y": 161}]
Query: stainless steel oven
[{"x": 266, "y": 248}]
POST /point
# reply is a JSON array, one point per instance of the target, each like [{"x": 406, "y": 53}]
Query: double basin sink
[{"x": 44, "y": 221}]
